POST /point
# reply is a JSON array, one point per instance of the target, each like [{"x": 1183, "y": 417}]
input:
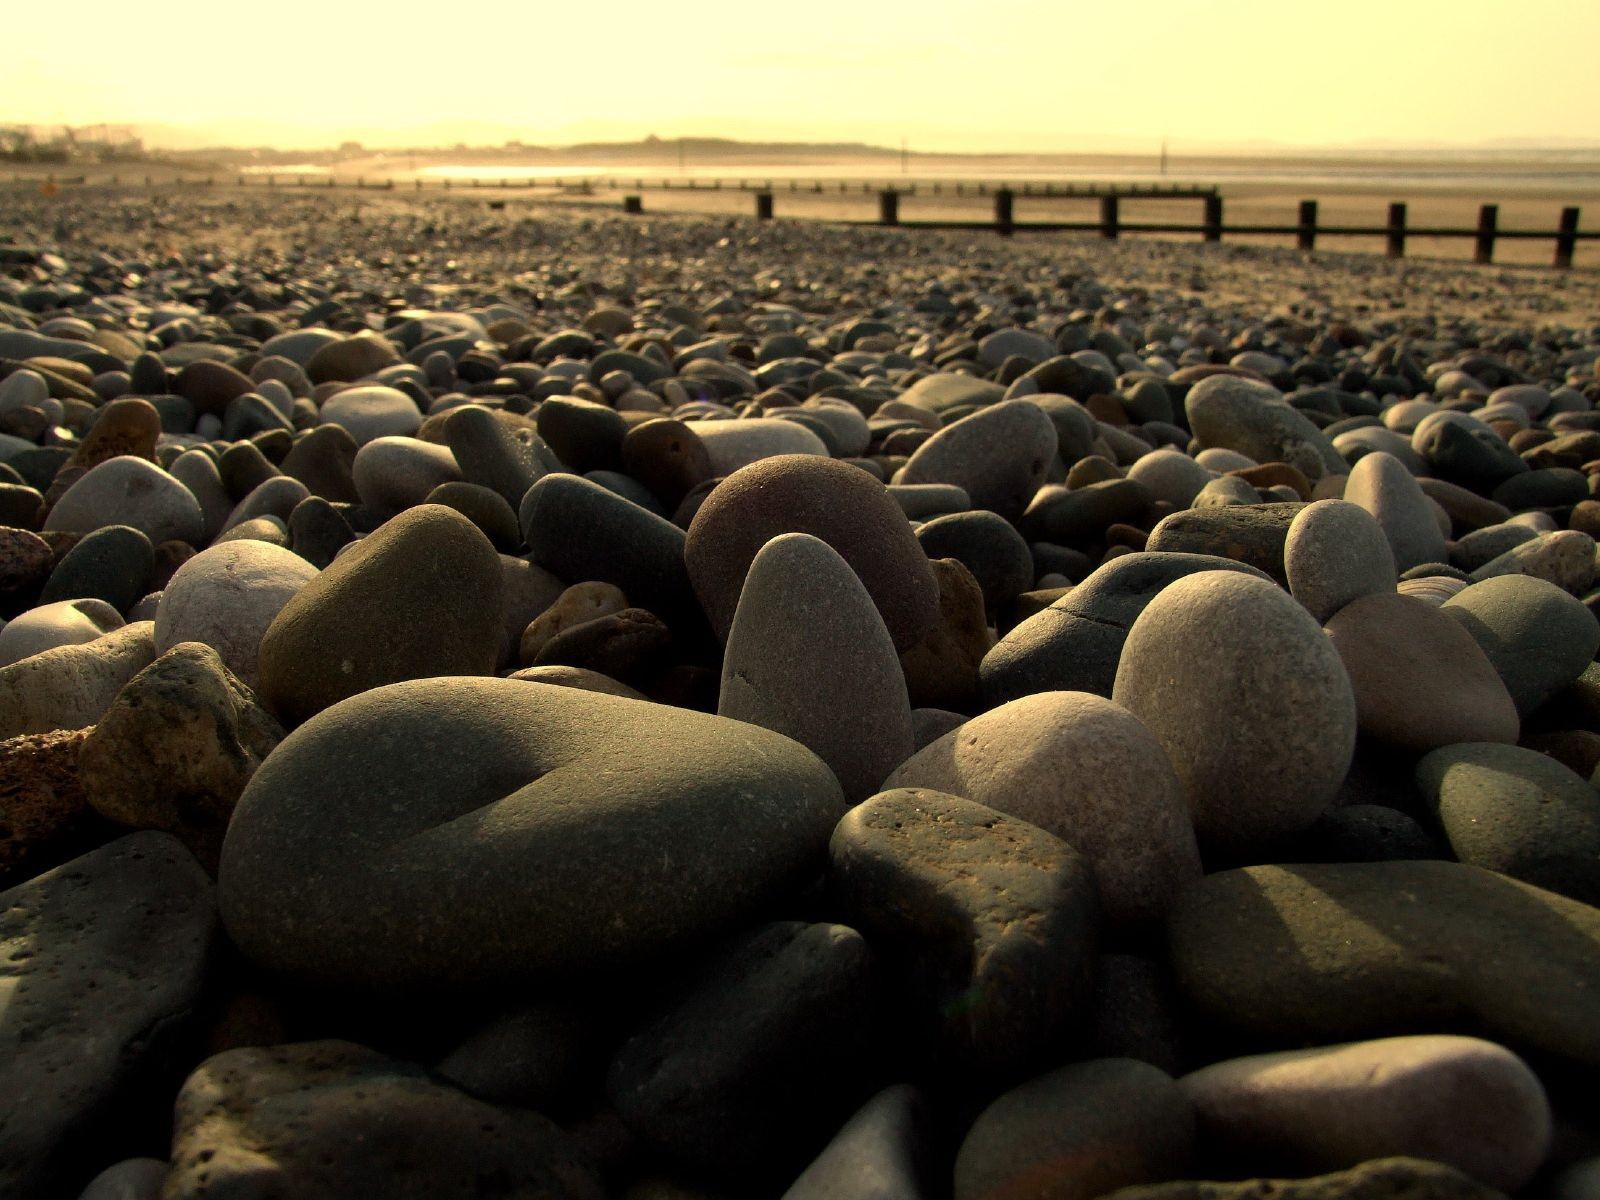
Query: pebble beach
[{"x": 527, "y": 701}]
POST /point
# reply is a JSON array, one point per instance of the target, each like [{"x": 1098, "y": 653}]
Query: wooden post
[
  {"x": 763, "y": 206},
  {"x": 1213, "y": 231},
  {"x": 1396, "y": 247},
  {"x": 889, "y": 208},
  {"x": 1004, "y": 223},
  {"x": 1488, "y": 217},
  {"x": 1306, "y": 234},
  {"x": 1566, "y": 238},
  {"x": 633, "y": 205},
  {"x": 1109, "y": 223}
]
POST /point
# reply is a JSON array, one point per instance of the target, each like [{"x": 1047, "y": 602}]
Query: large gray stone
[
  {"x": 998, "y": 455},
  {"x": 463, "y": 831},
  {"x": 1336, "y": 552},
  {"x": 1331, "y": 952},
  {"x": 1538, "y": 637},
  {"x": 130, "y": 491},
  {"x": 104, "y": 958}
]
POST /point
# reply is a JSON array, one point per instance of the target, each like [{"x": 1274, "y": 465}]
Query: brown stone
[
  {"x": 127, "y": 426},
  {"x": 1276, "y": 474},
  {"x": 209, "y": 385},
  {"x": 25, "y": 560},
  {"x": 44, "y": 813},
  {"x": 579, "y": 603},
  {"x": 353, "y": 358},
  {"x": 941, "y": 669}
]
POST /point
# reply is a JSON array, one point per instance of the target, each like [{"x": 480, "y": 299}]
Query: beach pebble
[
  {"x": 101, "y": 954},
  {"x": 420, "y": 597},
  {"x": 1076, "y": 642},
  {"x": 995, "y": 920},
  {"x": 47, "y": 816},
  {"x": 1253, "y": 419},
  {"x": 1318, "y": 953},
  {"x": 1253, "y": 534},
  {"x": 345, "y": 360},
  {"x": 1517, "y": 812},
  {"x": 176, "y": 748},
  {"x": 1419, "y": 678},
  {"x": 809, "y": 657},
  {"x": 62, "y": 623},
  {"x": 840, "y": 505},
  {"x": 340, "y": 1121},
  {"x": 1381, "y": 484},
  {"x": 941, "y": 667},
  {"x": 1334, "y": 553},
  {"x": 1378, "y": 1179},
  {"x": 1565, "y": 558},
  {"x": 997, "y": 455},
  {"x": 730, "y": 445},
  {"x": 392, "y": 474},
  {"x": 1078, "y": 1132},
  {"x": 748, "y": 1072},
  {"x": 989, "y": 547},
  {"x": 579, "y": 531},
  {"x": 70, "y": 686},
  {"x": 886, "y": 1151},
  {"x": 1249, "y": 700},
  {"x": 1082, "y": 768},
  {"x": 1457, "y": 1100},
  {"x": 1538, "y": 637},
  {"x": 130, "y": 491},
  {"x": 372, "y": 411},
  {"x": 130, "y": 1179},
  {"x": 577, "y": 604},
  {"x": 1170, "y": 475},
  {"x": 112, "y": 564},
  {"x": 510, "y": 790},
  {"x": 226, "y": 597}
]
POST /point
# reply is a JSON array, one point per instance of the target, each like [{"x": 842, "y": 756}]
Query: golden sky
[{"x": 1046, "y": 75}]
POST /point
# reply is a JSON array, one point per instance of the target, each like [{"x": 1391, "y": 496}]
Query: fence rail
[{"x": 1212, "y": 228}]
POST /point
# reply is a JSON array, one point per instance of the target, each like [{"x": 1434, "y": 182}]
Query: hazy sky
[{"x": 997, "y": 75}]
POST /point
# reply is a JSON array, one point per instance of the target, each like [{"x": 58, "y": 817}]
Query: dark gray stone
[{"x": 113, "y": 564}]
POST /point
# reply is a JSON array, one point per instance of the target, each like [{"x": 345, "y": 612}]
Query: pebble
[
  {"x": 100, "y": 954},
  {"x": 1517, "y": 812},
  {"x": 1335, "y": 552},
  {"x": 1378, "y": 1179},
  {"x": 730, "y": 445},
  {"x": 1537, "y": 636},
  {"x": 706, "y": 820},
  {"x": 1461, "y": 1101},
  {"x": 420, "y": 597},
  {"x": 997, "y": 455},
  {"x": 1381, "y": 485},
  {"x": 836, "y": 503},
  {"x": 1078, "y": 1132},
  {"x": 129, "y": 491},
  {"x": 1565, "y": 558},
  {"x": 995, "y": 920},
  {"x": 1086, "y": 770},
  {"x": 1317, "y": 953},
  {"x": 886, "y": 1151},
  {"x": 176, "y": 748},
  {"x": 1419, "y": 678},
  {"x": 1251, "y": 418},
  {"x": 61, "y": 623},
  {"x": 809, "y": 657},
  {"x": 372, "y": 411},
  {"x": 1249, "y": 700}
]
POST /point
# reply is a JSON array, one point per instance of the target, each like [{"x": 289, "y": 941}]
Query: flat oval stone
[
  {"x": 808, "y": 657},
  {"x": 1254, "y": 534},
  {"x": 105, "y": 958},
  {"x": 1253, "y": 419},
  {"x": 130, "y": 491},
  {"x": 1336, "y": 552},
  {"x": 1074, "y": 645},
  {"x": 1381, "y": 484},
  {"x": 1087, "y": 771},
  {"x": 345, "y": 360},
  {"x": 1078, "y": 1132},
  {"x": 1330, "y": 952},
  {"x": 341, "y": 1122},
  {"x": 1249, "y": 699},
  {"x": 112, "y": 564},
  {"x": 49, "y": 626},
  {"x": 833, "y": 501},
  {"x": 1538, "y": 637},
  {"x": 227, "y": 596},
  {"x": 730, "y": 445},
  {"x": 1565, "y": 558},
  {"x": 997, "y": 455},
  {"x": 393, "y": 474},
  {"x": 421, "y": 597},
  {"x": 1420, "y": 680},
  {"x": 1457, "y": 1100},
  {"x": 372, "y": 411},
  {"x": 1170, "y": 475},
  {"x": 995, "y": 920},
  {"x": 469, "y": 831},
  {"x": 1518, "y": 812}
]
